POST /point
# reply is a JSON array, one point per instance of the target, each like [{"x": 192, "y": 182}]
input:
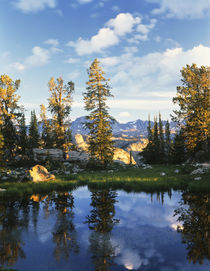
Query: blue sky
[{"x": 141, "y": 44}]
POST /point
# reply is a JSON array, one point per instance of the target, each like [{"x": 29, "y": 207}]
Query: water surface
[{"x": 106, "y": 230}]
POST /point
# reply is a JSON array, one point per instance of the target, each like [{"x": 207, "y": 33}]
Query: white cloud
[
  {"x": 149, "y": 82},
  {"x": 124, "y": 114},
  {"x": 73, "y": 60},
  {"x": 28, "y": 6},
  {"x": 123, "y": 23},
  {"x": 52, "y": 42},
  {"x": 39, "y": 57},
  {"x": 183, "y": 9},
  {"x": 104, "y": 39},
  {"x": 111, "y": 34},
  {"x": 84, "y": 1}
]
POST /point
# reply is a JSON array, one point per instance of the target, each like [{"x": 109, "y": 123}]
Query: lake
[{"x": 106, "y": 230}]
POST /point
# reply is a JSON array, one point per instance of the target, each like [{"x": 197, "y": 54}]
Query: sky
[{"x": 141, "y": 44}]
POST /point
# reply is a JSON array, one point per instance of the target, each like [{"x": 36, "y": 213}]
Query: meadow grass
[{"x": 129, "y": 179}]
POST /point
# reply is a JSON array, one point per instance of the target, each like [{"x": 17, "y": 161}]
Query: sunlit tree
[
  {"x": 47, "y": 136},
  {"x": 33, "y": 131},
  {"x": 99, "y": 120},
  {"x": 9, "y": 113},
  {"x": 193, "y": 99},
  {"x": 60, "y": 102}
]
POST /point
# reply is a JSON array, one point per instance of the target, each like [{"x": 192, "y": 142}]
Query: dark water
[{"x": 106, "y": 230}]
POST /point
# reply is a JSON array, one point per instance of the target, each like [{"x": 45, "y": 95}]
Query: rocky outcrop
[
  {"x": 123, "y": 157},
  {"x": 79, "y": 157},
  {"x": 43, "y": 154},
  {"x": 80, "y": 142},
  {"x": 138, "y": 146},
  {"x": 40, "y": 174}
]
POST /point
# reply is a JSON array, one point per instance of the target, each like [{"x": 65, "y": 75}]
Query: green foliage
[
  {"x": 178, "y": 149},
  {"x": 193, "y": 98},
  {"x": 23, "y": 134},
  {"x": 33, "y": 131},
  {"x": 60, "y": 106},
  {"x": 47, "y": 136},
  {"x": 9, "y": 114},
  {"x": 99, "y": 120}
]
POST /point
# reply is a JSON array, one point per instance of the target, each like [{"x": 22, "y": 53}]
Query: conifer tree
[
  {"x": 23, "y": 134},
  {"x": 156, "y": 142},
  {"x": 60, "y": 103},
  {"x": 9, "y": 113},
  {"x": 33, "y": 131},
  {"x": 193, "y": 98},
  {"x": 47, "y": 135},
  {"x": 1, "y": 143},
  {"x": 167, "y": 142},
  {"x": 99, "y": 120},
  {"x": 178, "y": 152},
  {"x": 161, "y": 141}
]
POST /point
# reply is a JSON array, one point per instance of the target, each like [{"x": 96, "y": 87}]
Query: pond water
[{"x": 106, "y": 230}]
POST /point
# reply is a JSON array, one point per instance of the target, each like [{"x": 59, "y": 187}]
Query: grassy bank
[{"x": 130, "y": 179}]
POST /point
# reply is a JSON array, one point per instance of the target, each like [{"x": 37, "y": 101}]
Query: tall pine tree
[
  {"x": 23, "y": 134},
  {"x": 47, "y": 136},
  {"x": 167, "y": 143},
  {"x": 193, "y": 98},
  {"x": 33, "y": 131},
  {"x": 99, "y": 120},
  {"x": 60, "y": 106},
  {"x": 9, "y": 114},
  {"x": 161, "y": 141}
]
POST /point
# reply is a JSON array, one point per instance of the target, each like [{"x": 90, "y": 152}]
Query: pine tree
[
  {"x": 161, "y": 141},
  {"x": 60, "y": 107},
  {"x": 178, "y": 152},
  {"x": 193, "y": 98},
  {"x": 47, "y": 136},
  {"x": 156, "y": 142},
  {"x": 147, "y": 153},
  {"x": 9, "y": 113},
  {"x": 23, "y": 134},
  {"x": 1, "y": 143},
  {"x": 33, "y": 131},
  {"x": 167, "y": 142},
  {"x": 99, "y": 120}
]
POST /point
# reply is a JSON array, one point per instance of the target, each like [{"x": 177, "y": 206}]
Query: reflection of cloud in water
[
  {"x": 131, "y": 260},
  {"x": 82, "y": 193},
  {"x": 141, "y": 211}
]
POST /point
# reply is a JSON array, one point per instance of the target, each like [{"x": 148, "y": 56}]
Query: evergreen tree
[
  {"x": 156, "y": 143},
  {"x": 193, "y": 98},
  {"x": 23, "y": 134},
  {"x": 33, "y": 131},
  {"x": 99, "y": 120},
  {"x": 167, "y": 142},
  {"x": 147, "y": 153},
  {"x": 60, "y": 107},
  {"x": 47, "y": 136},
  {"x": 161, "y": 141},
  {"x": 9, "y": 113},
  {"x": 1, "y": 144},
  {"x": 178, "y": 152}
]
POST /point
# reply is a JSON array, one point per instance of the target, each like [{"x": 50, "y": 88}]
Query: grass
[{"x": 130, "y": 179}]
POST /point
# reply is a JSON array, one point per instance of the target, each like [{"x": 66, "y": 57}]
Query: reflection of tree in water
[
  {"x": 101, "y": 221},
  {"x": 195, "y": 229},
  {"x": 14, "y": 218},
  {"x": 64, "y": 233}
]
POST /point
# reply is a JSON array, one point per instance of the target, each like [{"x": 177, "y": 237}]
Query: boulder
[
  {"x": 40, "y": 174},
  {"x": 123, "y": 156},
  {"x": 79, "y": 157},
  {"x": 43, "y": 154},
  {"x": 80, "y": 142}
]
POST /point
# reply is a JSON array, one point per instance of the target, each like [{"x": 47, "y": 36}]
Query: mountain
[{"x": 131, "y": 128}]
